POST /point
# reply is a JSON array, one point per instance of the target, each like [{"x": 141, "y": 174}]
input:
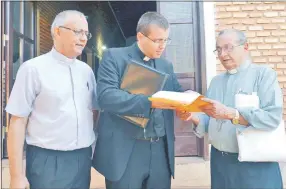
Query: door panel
[{"x": 181, "y": 53}]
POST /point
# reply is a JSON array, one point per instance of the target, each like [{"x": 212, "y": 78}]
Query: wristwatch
[{"x": 235, "y": 120}]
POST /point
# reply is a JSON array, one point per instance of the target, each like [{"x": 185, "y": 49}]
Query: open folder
[
  {"x": 141, "y": 79},
  {"x": 190, "y": 101}
]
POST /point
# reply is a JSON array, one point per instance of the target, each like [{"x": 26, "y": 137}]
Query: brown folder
[{"x": 141, "y": 79}]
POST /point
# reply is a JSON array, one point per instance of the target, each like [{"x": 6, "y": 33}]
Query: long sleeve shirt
[{"x": 248, "y": 79}]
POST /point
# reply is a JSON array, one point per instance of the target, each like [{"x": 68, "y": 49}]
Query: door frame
[{"x": 200, "y": 64}]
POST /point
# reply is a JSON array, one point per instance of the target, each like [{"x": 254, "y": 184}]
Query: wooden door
[{"x": 181, "y": 52}]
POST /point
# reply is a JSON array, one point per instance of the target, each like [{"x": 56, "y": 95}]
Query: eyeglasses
[
  {"x": 227, "y": 48},
  {"x": 78, "y": 32},
  {"x": 159, "y": 41}
]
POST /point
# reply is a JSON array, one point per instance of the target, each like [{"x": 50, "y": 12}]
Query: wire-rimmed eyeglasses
[
  {"x": 227, "y": 48},
  {"x": 78, "y": 32}
]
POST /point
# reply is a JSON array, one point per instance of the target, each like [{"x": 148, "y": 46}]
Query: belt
[
  {"x": 151, "y": 139},
  {"x": 223, "y": 153}
]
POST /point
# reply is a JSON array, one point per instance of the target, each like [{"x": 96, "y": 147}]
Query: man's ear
[
  {"x": 56, "y": 31},
  {"x": 139, "y": 36},
  {"x": 246, "y": 46}
]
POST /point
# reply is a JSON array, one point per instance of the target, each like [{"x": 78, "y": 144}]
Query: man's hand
[
  {"x": 217, "y": 110},
  {"x": 183, "y": 115},
  {"x": 19, "y": 182}
]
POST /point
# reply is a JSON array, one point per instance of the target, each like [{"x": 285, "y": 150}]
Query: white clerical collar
[
  {"x": 62, "y": 58},
  {"x": 240, "y": 68},
  {"x": 233, "y": 71},
  {"x": 146, "y": 58}
]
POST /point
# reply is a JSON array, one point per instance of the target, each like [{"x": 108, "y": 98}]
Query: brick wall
[{"x": 264, "y": 24}]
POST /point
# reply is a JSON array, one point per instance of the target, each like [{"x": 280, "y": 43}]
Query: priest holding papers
[
  {"x": 130, "y": 156},
  {"x": 224, "y": 115}
]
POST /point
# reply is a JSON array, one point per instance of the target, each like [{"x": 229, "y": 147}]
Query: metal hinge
[{"x": 5, "y": 38}]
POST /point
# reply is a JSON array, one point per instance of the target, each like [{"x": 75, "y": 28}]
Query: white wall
[{"x": 209, "y": 19}]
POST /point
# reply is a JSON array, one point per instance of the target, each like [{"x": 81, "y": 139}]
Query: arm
[
  {"x": 16, "y": 138},
  {"x": 19, "y": 105},
  {"x": 111, "y": 98},
  {"x": 269, "y": 115},
  {"x": 201, "y": 124}
]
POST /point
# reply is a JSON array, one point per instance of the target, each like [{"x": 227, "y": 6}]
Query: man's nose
[
  {"x": 223, "y": 53},
  {"x": 83, "y": 37}
]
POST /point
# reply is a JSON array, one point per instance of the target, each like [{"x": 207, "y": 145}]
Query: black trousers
[
  {"x": 147, "y": 168},
  {"x": 228, "y": 173},
  {"x": 52, "y": 169}
]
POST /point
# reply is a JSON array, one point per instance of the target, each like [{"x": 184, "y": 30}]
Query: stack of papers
[{"x": 190, "y": 101}]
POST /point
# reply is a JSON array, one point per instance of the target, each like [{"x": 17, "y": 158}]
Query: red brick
[
  {"x": 259, "y": 60},
  {"x": 263, "y": 34},
  {"x": 233, "y": 8},
  {"x": 255, "y": 53},
  {"x": 271, "y": 40},
  {"x": 282, "y": 39},
  {"x": 281, "y": 78},
  {"x": 256, "y": 40},
  {"x": 270, "y": 27},
  {"x": 240, "y": 14},
  {"x": 282, "y": 27},
  {"x": 247, "y": 8},
  {"x": 275, "y": 59},
  {"x": 270, "y": 14},
  {"x": 263, "y": 7},
  {"x": 278, "y": 20},
  {"x": 255, "y": 28},
  {"x": 252, "y": 47},
  {"x": 224, "y": 15},
  {"x": 269, "y": 53},
  {"x": 279, "y": 6},
  {"x": 250, "y": 34},
  {"x": 278, "y": 33},
  {"x": 281, "y": 53},
  {"x": 239, "y": 27},
  {"x": 263, "y": 46},
  {"x": 255, "y": 14},
  {"x": 281, "y": 65},
  {"x": 279, "y": 46},
  {"x": 263, "y": 21}
]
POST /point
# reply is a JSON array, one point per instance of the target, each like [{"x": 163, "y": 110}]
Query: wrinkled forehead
[
  {"x": 77, "y": 22},
  {"x": 228, "y": 38}
]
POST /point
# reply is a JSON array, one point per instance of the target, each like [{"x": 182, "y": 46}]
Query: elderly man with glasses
[
  {"x": 52, "y": 104},
  {"x": 126, "y": 154},
  {"x": 222, "y": 116}
]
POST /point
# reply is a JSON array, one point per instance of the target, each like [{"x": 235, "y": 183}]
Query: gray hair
[
  {"x": 151, "y": 18},
  {"x": 240, "y": 35},
  {"x": 63, "y": 17}
]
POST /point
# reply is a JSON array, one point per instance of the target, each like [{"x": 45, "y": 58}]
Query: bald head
[{"x": 239, "y": 35}]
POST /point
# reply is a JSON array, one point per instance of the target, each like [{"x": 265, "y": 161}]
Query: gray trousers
[
  {"x": 52, "y": 169},
  {"x": 147, "y": 168}
]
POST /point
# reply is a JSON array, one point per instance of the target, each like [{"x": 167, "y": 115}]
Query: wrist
[{"x": 231, "y": 114}]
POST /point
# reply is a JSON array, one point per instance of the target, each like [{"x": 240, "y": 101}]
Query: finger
[{"x": 208, "y": 100}]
